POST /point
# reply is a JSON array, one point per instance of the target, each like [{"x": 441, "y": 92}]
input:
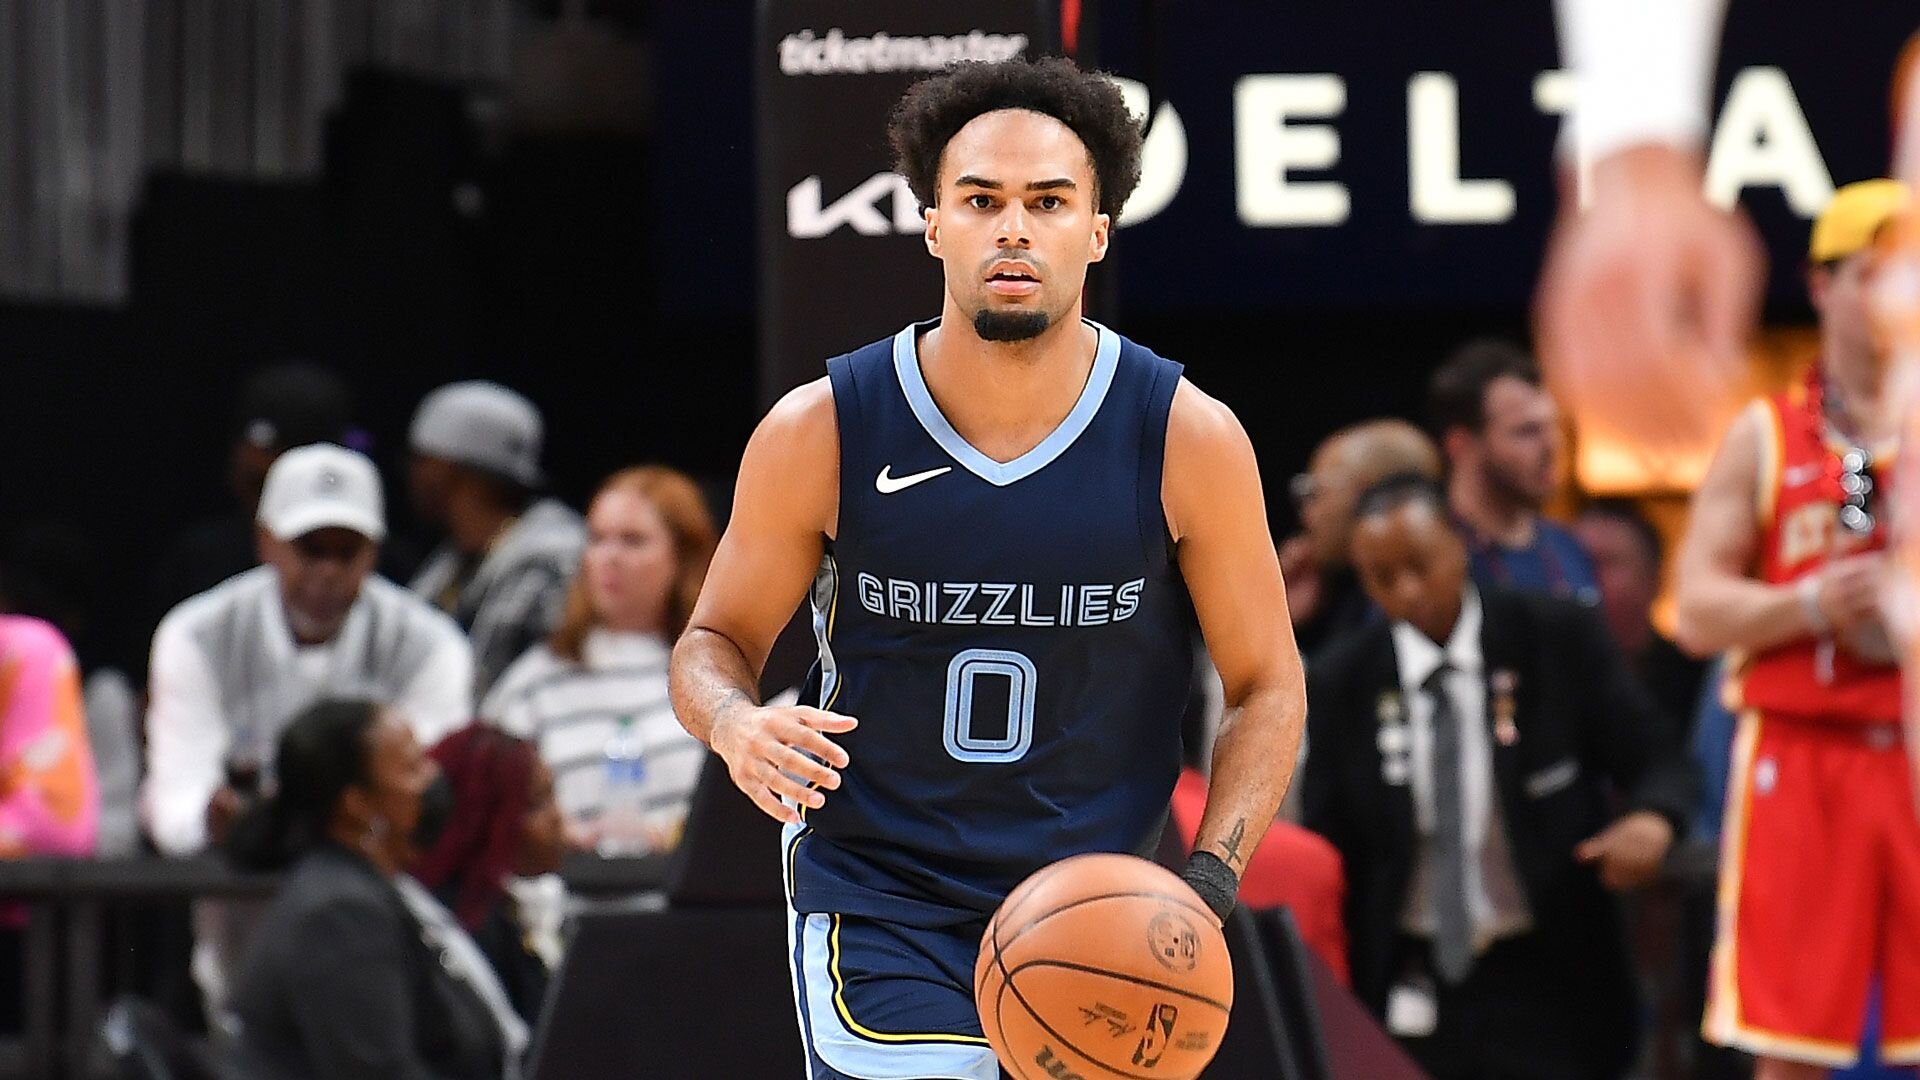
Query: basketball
[{"x": 1103, "y": 966}]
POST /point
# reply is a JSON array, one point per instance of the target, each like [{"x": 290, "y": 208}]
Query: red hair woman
[{"x": 649, "y": 540}]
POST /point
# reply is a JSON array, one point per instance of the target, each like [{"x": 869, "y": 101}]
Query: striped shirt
[
  {"x": 516, "y": 592},
  {"x": 572, "y": 710}
]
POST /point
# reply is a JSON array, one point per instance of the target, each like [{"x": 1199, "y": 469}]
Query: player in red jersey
[{"x": 1784, "y": 561}]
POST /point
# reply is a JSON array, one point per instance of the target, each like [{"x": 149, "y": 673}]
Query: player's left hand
[{"x": 1629, "y": 851}]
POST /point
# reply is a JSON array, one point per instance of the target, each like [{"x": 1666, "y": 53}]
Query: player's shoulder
[
  {"x": 1200, "y": 413},
  {"x": 1203, "y": 430},
  {"x": 1758, "y": 417},
  {"x": 1750, "y": 443},
  {"x": 1209, "y": 460},
  {"x": 805, "y": 409},
  {"x": 793, "y": 459}
]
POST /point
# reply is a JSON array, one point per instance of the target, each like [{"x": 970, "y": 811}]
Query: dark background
[{"x": 611, "y": 275}]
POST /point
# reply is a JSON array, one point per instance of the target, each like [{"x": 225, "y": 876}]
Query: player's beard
[{"x": 994, "y": 325}]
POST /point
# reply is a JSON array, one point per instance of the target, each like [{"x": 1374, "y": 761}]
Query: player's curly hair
[{"x": 934, "y": 110}]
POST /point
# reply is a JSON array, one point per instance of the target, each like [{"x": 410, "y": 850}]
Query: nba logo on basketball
[
  {"x": 1159, "y": 1034},
  {"x": 1173, "y": 941}
]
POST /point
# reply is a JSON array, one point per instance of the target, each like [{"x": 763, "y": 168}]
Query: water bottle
[{"x": 623, "y": 819}]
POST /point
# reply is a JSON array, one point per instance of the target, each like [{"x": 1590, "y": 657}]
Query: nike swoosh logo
[
  {"x": 1801, "y": 475},
  {"x": 886, "y": 483}
]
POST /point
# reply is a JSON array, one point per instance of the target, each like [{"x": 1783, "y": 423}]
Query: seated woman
[
  {"x": 649, "y": 539},
  {"x": 505, "y": 832},
  {"x": 354, "y": 971},
  {"x": 49, "y": 800}
]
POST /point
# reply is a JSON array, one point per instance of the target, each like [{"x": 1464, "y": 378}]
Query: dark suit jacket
[
  {"x": 338, "y": 983},
  {"x": 1590, "y": 744}
]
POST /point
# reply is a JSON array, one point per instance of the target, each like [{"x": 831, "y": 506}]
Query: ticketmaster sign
[{"x": 841, "y": 260}]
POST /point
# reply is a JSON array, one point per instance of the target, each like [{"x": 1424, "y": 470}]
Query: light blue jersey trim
[
  {"x": 906, "y": 364},
  {"x": 845, "y": 1052},
  {"x": 825, "y": 598}
]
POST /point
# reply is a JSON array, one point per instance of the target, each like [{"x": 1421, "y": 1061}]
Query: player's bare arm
[
  {"x": 1218, "y": 518},
  {"x": 1720, "y": 606},
  {"x": 785, "y": 504}
]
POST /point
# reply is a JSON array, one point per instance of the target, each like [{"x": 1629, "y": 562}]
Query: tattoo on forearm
[
  {"x": 1230, "y": 847},
  {"x": 731, "y": 697}
]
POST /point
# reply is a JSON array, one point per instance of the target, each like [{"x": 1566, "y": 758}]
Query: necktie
[{"x": 1453, "y": 924}]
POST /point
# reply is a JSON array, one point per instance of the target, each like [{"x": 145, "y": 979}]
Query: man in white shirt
[
  {"x": 1464, "y": 757},
  {"x": 232, "y": 666}
]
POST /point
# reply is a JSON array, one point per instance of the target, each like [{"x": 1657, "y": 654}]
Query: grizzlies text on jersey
[{"x": 1014, "y": 638}]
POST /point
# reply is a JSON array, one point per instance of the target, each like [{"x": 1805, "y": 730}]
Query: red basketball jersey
[{"x": 1800, "y": 500}]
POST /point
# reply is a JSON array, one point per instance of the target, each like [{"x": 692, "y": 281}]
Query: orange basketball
[{"x": 1103, "y": 966}]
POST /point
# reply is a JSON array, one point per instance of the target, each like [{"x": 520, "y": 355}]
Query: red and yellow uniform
[{"x": 1820, "y": 875}]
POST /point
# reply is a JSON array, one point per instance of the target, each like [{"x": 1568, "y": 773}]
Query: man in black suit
[{"x": 1467, "y": 756}]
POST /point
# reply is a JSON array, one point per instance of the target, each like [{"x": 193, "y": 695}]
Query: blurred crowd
[
  {"x": 1527, "y": 782},
  {"x": 419, "y": 758},
  {"x": 1502, "y": 742}
]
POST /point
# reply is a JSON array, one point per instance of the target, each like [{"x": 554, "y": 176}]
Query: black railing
[{"x": 68, "y": 903}]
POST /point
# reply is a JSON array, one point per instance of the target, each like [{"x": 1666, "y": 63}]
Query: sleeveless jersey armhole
[
  {"x": 1155, "y": 538},
  {"x": 846, "y": 414}
]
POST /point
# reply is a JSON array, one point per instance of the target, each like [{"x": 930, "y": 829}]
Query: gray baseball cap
[{"x": 482, "y": 424}]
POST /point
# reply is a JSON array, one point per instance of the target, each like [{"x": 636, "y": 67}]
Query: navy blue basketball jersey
[{"x": 1014, "y": 638}]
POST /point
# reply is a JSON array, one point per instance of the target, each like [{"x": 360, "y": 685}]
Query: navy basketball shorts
[{"x": 882, "y": 1001}]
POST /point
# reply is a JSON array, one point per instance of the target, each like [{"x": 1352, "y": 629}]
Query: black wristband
[{"x": 1214, "y": 880}]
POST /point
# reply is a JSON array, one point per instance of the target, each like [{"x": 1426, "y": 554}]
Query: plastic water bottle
[{"x": 623, "y": 818}]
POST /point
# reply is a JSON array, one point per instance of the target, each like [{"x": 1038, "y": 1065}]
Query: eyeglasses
[
  {"x": 1302, "y": 487},
  {"x": 1856, "y": 490}
]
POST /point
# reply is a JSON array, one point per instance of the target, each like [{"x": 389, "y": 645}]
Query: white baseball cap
[
  {"x": 322, "y": 486},
  {"x": 482, "y": 424}
]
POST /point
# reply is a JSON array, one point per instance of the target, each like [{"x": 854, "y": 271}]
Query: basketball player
[
  {"x": 1784, "y": 559},
  {"x": 1009, "y": 517}
]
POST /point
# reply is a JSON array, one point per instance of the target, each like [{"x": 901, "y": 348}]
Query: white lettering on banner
[
  {"x": 808, "y": 220},
  {"x": 801, "y": 53},
  {"x": 1435, "y": 192},
  {"x": 1163, "y": 157},
  {"x": 1554, "y": 95},
  {"x": 1266, "y": 147},
  {"x": 1762, "y": 140}
]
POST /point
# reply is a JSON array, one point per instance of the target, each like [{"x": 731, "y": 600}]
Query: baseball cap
[
  {"x": 322, "y": 486},
  {"x": 292, "y": 404},
  {"x": 482, "y": 424},
  {"x": 1853, "y": 217}
]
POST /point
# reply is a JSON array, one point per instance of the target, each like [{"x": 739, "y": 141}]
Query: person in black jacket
[
  {"x": 1467, "y": 757},
  {"x": 349, "y": 975},
  {"x": 507, "y": 826}
]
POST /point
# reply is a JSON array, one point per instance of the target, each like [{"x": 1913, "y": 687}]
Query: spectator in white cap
[
  {"x": 232, "y": 666},
  {"x": 503, "y": 570}
]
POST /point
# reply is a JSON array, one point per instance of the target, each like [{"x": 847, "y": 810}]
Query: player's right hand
[
  {"x": 776, "y": 752},
  {"x": 1647, "y": 298},
  {"x": 1849, "y": 592}
]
